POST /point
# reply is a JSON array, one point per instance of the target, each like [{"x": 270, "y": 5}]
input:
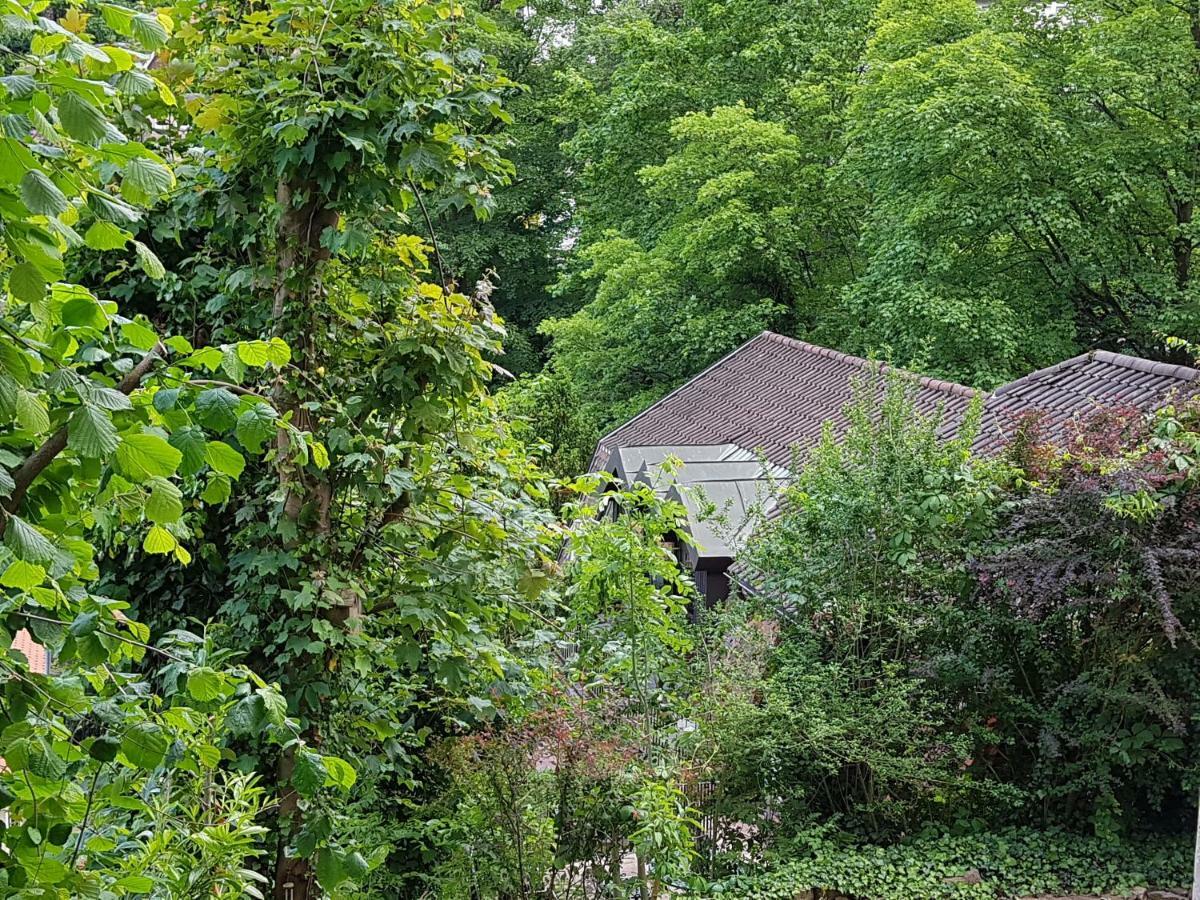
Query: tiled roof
[
  {"x": 35, "y": 653},
  {"x": 774, "y": 393},
  {"x": 770, "y": 394},
  {"x": 1072, "y": 389}
]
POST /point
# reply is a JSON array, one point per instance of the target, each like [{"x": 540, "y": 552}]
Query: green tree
[
  {"x": 378, "y": 571},
  {"x": 115, "y": 780}
]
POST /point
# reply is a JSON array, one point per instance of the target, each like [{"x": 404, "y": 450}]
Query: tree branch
[{"x": 37, "y": 461}]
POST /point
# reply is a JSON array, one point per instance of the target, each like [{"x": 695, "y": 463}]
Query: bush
[
  {"x": 1009, "y": 863},
  {"x": 975, "y": 644}
]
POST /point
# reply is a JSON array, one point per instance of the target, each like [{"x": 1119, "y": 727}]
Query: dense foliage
[
  {"x": 320, "y": 621},
  {"x": 939, "y": 866},
  {"x": 967, "y": 645},
  {"x": 115, "y": 780},
  {"x": 972, "y": 192}
]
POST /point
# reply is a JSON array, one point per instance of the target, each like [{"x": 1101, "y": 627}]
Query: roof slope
[
  {"x": 774, "y": 393},
  {"x": 768, "y": 395},
  {"x": 1069, "y": 390}
]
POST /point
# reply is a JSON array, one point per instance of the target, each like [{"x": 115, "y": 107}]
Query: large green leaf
[
  {"x": 31, "y": 412},
  {"x": 145, "y": 745},
  {"x": 144, "y": 180},
  {"x": 309, "y": 773},
  {"x": 142, "y": 456},
  {"x": 80, "y": 118},
  {"x": 255, "y": 425},
  {"x": 26, "y": 542},
  {"x": 41, "y": 195},
  {"x": 164, "y": 504},
  {"x": 224, "y": 459},
  {"x": 190, "y": 442},
  {"x": 149, "y": 261},
  {"x": 26, "y": 283},
  {"x": 159, "y": 540},
  {"x": 83, "y": 312},
  {"x": 205, "y": 683},
  {"x": 340, "y": 773},
  {"x": 23, "y": 575},
  {"x": 148, "y": 30},
  {"x": 15, "y": 161},
  {"x": 90, "y": 432},
  {"x": 217, "y": 409},
  {"x": 106, "y": 236}
]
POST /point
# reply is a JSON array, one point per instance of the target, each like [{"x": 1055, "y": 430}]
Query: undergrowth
[{"x": 1011, "y": 863}]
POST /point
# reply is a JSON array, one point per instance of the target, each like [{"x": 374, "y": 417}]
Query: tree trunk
[
  {"x": 299, "y": 255},
  {"x": 293, "y": 876}
]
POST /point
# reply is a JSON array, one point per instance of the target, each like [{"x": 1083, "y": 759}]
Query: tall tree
[{"x": 371, "y": 569}]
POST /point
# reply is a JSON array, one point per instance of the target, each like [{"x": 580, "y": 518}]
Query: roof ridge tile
[{"x": 1165, "y": 369}]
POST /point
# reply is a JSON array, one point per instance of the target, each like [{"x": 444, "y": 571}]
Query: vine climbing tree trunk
[{"x": 304, "y": 215}]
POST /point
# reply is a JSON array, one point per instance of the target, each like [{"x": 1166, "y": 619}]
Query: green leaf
[
  {"x": 41, "y": 195},
  {"x": 44, "y": 762},
  {"x": 356, "y": 865},
  {"x": 135, "y": 884},
  {"x": 217, "y": 490},
  {"x": 145, "y": 745},
  {"x": 148, "y": 30},
  {"x": 18, "y": 87},
  {"x": 330, "y": 872},
  {"x": 106, "y": 236},
  {"x": 209, "y": 358},
  {"x": 309, "y": 773},
  {"x": 158, "y": 540},
  {"x": 224, "y": 459},
  {"x": 164, "y": 503},
  {"x": 85, "y": 623},
  {"x": 278, "y": 352},
  {"x": 205, "y": 684},
  {"x": 144, "y": 180},
  {"x": 31, "y": 412},
  {"x": 274, "y": 706},
  {"x": 134, "y": 83},
  {"x": 80, "y": 119},
  {"x": 110, "y": 209},
  {"x": 83, "y": 312},
  {"x": 91, "y": 433},
  {"x": 104, "y": 748},
  {"x": 191, "y": 442},
  {"x": 26, "y": 542},
  {"x": 15, "y": 161},
  {"x": 118, "y": 18},
  {"x": 164, "y": 401},
  {"x": 141, "y": 336},
  {"x": 254, "y": 353},
  {"x": 105, "y": 398},
  {"x": 217, "y": 409},
  {"x": 141, "y": 456},
  {"x": 149, "y": 262},
  {"x": 256, "y": 425},
  {"x": 232, "y": 364},
  {"x": 23, "y": 576},
  {"x": 245, "y": 716},
  {"x": 320, "y": 456},
  {"x": 340, "y": 773},
  {"x": 26, "y": 283}
]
